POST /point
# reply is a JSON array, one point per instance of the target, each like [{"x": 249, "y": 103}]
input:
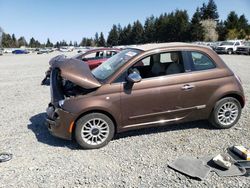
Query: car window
[
  {"x": 237, "y": 44},
  {"x": 165, "y": 57},
  {"x": 110, "y": 53},
  {"x": 201, "y": 61},
  {"x": 90, "y": 55},
  {"x": 109, "y": 67},
  {"x": 146, "y": 61},
  {"x": 160, "y": 64}
]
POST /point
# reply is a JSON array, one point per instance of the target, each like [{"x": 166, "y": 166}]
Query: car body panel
[{"x": 76, "y": 71}]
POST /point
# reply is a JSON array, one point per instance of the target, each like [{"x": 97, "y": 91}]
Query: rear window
[{"x": 201, "y": 61}]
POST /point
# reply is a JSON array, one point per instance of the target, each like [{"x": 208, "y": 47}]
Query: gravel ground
[{"x": 132, "y": 159}]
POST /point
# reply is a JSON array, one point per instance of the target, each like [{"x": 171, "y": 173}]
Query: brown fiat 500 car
[{"x": 149, "y": 85}]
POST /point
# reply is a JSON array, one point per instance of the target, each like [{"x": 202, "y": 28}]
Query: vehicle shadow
[
  {"x": 37, "y": 125},
  {"x": 39, "y": 128},
  {"x": 202, "y": 124}
]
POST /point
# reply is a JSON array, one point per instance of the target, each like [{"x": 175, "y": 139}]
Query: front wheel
[
  {"x": 94, "y": 131},
  {"x": 230, "y": 51},
  {"x": 226, "y": 113}
]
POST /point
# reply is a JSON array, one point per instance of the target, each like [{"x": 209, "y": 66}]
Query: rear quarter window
[{"x": 201, "y": 61}]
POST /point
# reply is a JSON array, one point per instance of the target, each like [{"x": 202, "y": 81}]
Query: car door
[
  {"x": 199, "y": 84},
  {"x": 156, "y": 99}
]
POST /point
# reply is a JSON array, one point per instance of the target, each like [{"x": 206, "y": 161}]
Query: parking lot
[{"x": 132, "y": 159}]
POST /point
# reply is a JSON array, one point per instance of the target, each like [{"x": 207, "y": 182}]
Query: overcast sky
[{"x": 74, "y": 19}]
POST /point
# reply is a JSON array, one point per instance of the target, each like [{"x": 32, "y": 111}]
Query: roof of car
[{"x": 151, "y": 46}]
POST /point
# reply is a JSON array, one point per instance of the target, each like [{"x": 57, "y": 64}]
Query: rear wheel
[
  {"x": 226, "y": 113},
  {"x": 94, "y": 130}
]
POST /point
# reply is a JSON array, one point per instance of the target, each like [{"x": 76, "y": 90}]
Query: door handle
[{"x": 187, "y": 87}]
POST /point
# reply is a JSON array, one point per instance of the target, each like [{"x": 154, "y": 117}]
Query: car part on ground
[
  {"x": 4, "y": 157},
  {"x": 222, "y": 161},
  {"x": 143, "y": 87}
]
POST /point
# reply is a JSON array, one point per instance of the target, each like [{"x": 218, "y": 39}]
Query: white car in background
[
  {"x": 8, "y": 50},
  {"x": 229, "y": 47},
  {"x": 64, "y": 49}
]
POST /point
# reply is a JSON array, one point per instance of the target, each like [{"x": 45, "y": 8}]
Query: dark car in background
[
  {"x": 145, "y": 86},
  {"x": 20, "y": 51},
  {"x": 245, "y": 49}
]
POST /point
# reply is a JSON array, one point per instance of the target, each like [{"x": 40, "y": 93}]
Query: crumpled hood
[{"x": 75, "y": 71}]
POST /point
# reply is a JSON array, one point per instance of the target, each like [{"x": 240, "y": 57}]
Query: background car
[
  {"x": 43, "y": 51},
  {"x": 229, "y": 47},
  {"x": 245, "y": 49},
  {"x": 95, "y": 57},
  {"x": 20, "y": 52}
]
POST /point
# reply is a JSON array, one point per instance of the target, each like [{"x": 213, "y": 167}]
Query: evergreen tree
[
  {"x": 14, "y": 41},
  {"x": 57, "y": 45},
  {"x": 137, "y": 33},
  {"x": 90, "y": 42},
  {"x": 209, "y": 11},
  {"x": 231, "y": 21},
  {"x": 96, "y": 39},
  {"x": 49, "y": 44},
  {"x": 242, "y": 23},
  {"x": 75, "y": 44},
  {"x": 149, "y": 30},
  {"x": 181, "y": 25},
  {"x": 32, "y": 43},
  {"x": 7, "y": 41},
  {"x": 196, "y": 29},
  {"x": 222, "y": 31},
  {"x": 101, "y": 40},
  {"x": 83, "y": 42},
  {"x": 125, "y": 35},
  {"x": 113, "y": 37},
  {"x": 22, "y": 42}
]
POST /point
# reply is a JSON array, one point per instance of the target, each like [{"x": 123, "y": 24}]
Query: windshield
[
  {"x": 227, "y": 43},
  {"x": 110, "y": 66}
]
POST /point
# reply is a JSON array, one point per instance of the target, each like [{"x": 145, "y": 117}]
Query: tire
[
  {"x": 226, "y": 113},
  {"x": 98, "y": 130},
  {"x": 230, "y": 51}
]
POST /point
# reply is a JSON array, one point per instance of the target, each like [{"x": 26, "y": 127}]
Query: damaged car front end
[{"x": 69, "y": 78}]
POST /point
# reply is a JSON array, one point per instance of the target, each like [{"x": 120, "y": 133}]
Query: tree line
[{"x": 168, "y": 27}]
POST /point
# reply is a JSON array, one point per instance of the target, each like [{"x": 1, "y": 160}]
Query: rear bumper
[{"x": 59, "y": 122}]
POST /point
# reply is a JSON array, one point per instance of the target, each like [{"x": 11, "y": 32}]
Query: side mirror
[{"x": 134, "y": 77}]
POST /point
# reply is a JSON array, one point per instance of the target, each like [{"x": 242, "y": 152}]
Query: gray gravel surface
[{"x": 132, "y": 159}]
